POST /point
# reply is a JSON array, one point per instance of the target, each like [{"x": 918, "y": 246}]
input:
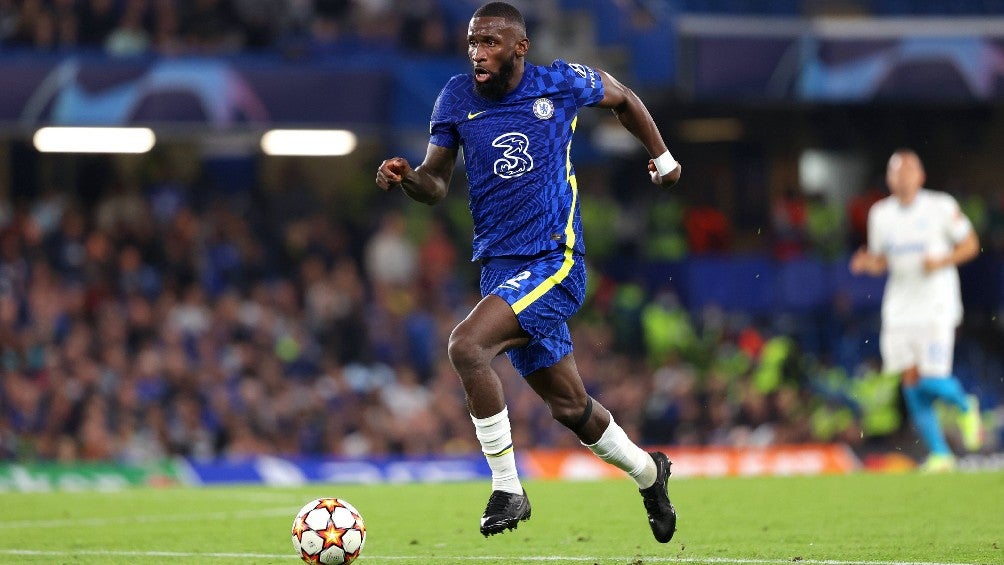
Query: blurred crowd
[
  {"x": 153, "y": 314},
  {"x": 163, "y": 316},
  {"x": 290, "y": 28}
]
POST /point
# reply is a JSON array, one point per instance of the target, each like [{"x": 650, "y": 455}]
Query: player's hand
[
  {"x": 860, "y": 261},
  {"x": 932, "y": 264},
  {"x": 667, "y": 181},
  {"x": 910, "y": 376},
  {"x": 391, "y": 172}
]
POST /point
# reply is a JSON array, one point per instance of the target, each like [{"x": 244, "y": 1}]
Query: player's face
[
  {"x": 493, "y": 46},
  {"x": 904, "y": 176}
]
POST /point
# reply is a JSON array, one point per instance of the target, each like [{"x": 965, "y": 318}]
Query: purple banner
[
  {"x": 215, "y": 93},
  {"x": 795, "y": 60}
]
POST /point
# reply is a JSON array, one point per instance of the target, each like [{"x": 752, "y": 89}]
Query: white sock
[
  {"x": 495, "y": 435},
  {"x": 616, "y": 448}
]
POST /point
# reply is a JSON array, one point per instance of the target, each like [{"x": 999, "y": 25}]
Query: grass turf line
[{"x": 859, "y": 518}]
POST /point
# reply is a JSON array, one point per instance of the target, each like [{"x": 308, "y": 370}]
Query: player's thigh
[
  {"x": 543, "y": 293},
  {"x": 491, "y": 324},
  {"x": 937, "y": 351},
  {"x": 900, "y": 349},
  {"x": 928, "y": 347}
]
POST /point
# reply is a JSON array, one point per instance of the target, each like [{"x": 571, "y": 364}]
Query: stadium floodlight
[
  {"x": 308, "y": 143},
  {"x": 94, "y": 140}
]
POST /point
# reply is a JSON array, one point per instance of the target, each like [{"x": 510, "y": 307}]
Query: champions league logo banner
[
  {"x": 194, "y": 92},
  {"x": 842, "y": 61}
]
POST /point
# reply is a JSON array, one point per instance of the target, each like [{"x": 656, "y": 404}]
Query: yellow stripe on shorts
[{"x": 566, "y": 265}]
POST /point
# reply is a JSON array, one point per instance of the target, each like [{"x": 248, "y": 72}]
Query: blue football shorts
[{"x": 544, "y": 291}]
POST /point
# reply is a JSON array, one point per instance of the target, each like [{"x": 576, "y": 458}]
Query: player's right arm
[
  {"x": 869, "y": 260},
  {"x": 865, "y": 262},
  {"x": 428, "y": 183}
]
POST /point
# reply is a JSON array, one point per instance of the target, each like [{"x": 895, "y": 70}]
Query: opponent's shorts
[
  {"x": 544, "y": 291},
  {"x": 929, "y": 347}
]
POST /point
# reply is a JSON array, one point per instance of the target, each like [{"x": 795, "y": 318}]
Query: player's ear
[{"x": 522, "y": 47}]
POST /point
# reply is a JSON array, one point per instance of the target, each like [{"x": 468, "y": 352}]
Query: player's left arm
[
  {"x": 632, "y": 113},
  {"x": 963, "y": 252},
  {"x": 960, "y": 230}
]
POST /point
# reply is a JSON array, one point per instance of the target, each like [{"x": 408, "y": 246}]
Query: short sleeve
[
  {"x": 442, "y": 127},
  {"x": 958, "y": 225},
  {"x": 875, "y": 246},
  {"x": 585, "y": 83}
]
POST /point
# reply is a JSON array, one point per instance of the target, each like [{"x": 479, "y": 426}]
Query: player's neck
[
  {"x": 517, "y": 75},
  {"x": 907, "y": 198}
]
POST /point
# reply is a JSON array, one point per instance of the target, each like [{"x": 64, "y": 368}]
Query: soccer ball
[{"x": 329, "y": 531}]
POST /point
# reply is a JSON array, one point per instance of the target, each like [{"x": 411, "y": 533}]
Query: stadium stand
[{"x": 153, "y": 309}]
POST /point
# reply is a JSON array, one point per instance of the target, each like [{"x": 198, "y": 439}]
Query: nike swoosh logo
[{"x": 472, "y": 115}]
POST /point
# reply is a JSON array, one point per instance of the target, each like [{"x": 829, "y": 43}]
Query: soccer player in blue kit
[{"x": 514, "y": 121}]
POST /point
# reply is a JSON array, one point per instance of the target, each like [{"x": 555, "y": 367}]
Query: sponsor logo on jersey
[
  {"x": 516, "y": 159},
  {"x": 905, "y": 248},
  {"x": 584, "y": 72}
]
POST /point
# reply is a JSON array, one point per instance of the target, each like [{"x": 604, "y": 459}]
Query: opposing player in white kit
[{"x": 919, "y": 237}]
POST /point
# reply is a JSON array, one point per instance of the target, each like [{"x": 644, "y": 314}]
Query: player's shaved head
[
  {"x": 497, "y": 44},
  {"x": 503, "y": 10},
  {"x": 907, "y": 157},
  {"x": 905, "y": 174}
]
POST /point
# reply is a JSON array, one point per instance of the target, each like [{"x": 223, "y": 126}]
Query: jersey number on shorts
[
  {"x": 513, "y": 283},
  {"x": 515, "y": 160}
]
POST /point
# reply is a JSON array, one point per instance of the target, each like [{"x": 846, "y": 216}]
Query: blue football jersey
[{"x": 516, "y": 151}]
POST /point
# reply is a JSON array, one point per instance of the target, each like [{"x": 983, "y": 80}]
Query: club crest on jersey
[{"x": 543, "y": 108}]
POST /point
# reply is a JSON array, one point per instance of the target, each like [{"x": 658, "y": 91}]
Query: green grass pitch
[{"x": 863, "y": 519}]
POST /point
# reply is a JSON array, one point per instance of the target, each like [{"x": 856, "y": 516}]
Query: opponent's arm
[
  {"x": 632, "y": 113},
  {"x": 864, "y": 262},
  {"x": 963, "y": 252},
  {"x": 428, "y": 183}
]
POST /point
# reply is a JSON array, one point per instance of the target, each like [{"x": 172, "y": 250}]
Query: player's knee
[{"x": 465, "y": 353}]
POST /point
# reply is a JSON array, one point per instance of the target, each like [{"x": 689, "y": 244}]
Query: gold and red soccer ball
[{"x": 328, "y": 531}]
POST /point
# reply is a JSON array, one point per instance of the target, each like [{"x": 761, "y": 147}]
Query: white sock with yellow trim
[
  {"x": 495, "y": 435},
  {"x": 616, "y": 448}
]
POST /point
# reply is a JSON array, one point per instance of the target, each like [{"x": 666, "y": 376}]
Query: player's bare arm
[
  {"x": 965, "y": 251},
  {"x": 428, "y": 183},
  {"x": 632, "y": 113},
  {"x": 864, "y": 262}
]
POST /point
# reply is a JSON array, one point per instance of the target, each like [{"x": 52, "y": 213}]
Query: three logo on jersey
[{"x": 516, "y": 159}]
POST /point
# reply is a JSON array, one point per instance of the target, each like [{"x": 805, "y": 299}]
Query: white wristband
[{"x": 665, "y": 164}]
